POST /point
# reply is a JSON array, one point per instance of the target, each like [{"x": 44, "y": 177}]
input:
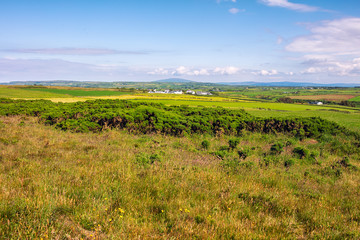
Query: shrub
[
  {"x": 300, "y": 152},
  {"x": 289, "y": 162},
  {"x": 233, "y": 143},
  {"x": 276, "y": 148},
  {"x": 147, "y": 159},
  {"x": 243, "y": 153},
  {"x": 205, "y": 144}
]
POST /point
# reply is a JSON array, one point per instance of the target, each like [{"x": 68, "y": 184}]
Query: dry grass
[{"x": 62, "y": 185}]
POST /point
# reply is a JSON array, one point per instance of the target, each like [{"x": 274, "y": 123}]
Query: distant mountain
[
  {"x": 174, "y": 80},
  {"x": 289, "y": 84}
]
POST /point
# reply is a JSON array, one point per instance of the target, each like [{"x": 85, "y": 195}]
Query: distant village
[{"x": 180, "y": 92}]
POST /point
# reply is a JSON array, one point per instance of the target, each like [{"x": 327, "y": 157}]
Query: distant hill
[
  {"x": 289, "y": 84},
  {"x": 174, "y": 80}
]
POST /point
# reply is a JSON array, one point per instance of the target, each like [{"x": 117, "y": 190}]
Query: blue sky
[{"x": 202, "y": 40}]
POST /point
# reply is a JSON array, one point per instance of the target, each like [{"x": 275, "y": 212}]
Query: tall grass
[{"x": 115, "y": 185}]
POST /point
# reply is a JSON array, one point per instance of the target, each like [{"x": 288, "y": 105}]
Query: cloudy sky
[{"x": 202, "y": 40}]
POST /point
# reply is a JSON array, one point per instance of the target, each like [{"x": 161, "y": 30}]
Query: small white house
[
  {"x": 319, "y": 103},
  {"x": 203, "y": 93}
]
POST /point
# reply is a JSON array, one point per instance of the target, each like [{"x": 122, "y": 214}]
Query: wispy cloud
[
  {"x": 219, "y": 1},
  {"x": 340, "y": 36},
  {"x": 331, "y": 48},
  {"x": 45, "y": 69},
  {"x": 290, "y": 5},
  {"x": 75, "y": 51},
  {"x": 236, "y": 10},
  {"x": 189, "y": 71}
]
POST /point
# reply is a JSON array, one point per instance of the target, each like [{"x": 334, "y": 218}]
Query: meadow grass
[
  {"x": 355, "y": 99},
  {"x": 116, "y": 185},
  {"x": 10, "y": 92},
  {"x": 78, "y": 92}
]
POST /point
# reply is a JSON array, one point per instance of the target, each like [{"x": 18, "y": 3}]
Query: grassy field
[
  {"x": 116, "y": 185},
  {"x": 328, "y": 97},
  {"x": 56, "y": 93},
  {"x": 10, "y": 92},
  {"x": 357, "y": 99},
  {"x": 80, "y": 92}
]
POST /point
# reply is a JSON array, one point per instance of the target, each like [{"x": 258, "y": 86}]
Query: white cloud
[
  {"x": 236, "y": 10},
  {"x": 75, "y": 51},
  {"x": 159, "y": 71},
  {"x": 331, "y": 48},
  {"x": 266, "y": 72},
  {"x": 226, "y": 70},
  {"x": 337, "y": 37},
  {"x": 335, "y": 67},
  {"x": 219, "y": 1},
  {"x": 186, "y": 71},
  {"x": 289, "y": 5}
]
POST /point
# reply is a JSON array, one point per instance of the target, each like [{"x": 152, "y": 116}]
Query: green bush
[
  {"x": 276, "y": 148},
  {"x": 233, "y": 143},
  {"x": 147, "y": 117},
  {"x": 243, "y": 153},
  {"x": 205, "y": 144},
  {"x": 289, "y": 162},
  {"x": 300, "y": 152}
]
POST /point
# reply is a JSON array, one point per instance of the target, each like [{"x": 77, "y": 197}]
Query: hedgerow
[{"x": 145, "y": 117}]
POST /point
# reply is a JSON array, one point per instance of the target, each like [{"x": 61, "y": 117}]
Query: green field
[
  {"x": 357, "y": 99},
  {"x": 8, "y": 92},
  {"x": 78, "y": 93},
  {"x": 28, "y": 92}
]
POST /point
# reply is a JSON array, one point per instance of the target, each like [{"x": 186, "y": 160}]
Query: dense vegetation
[{"x": 147, "y": 117}]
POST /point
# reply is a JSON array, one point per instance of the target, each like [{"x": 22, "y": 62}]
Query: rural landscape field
[
  {"x": 181, "y": 119},
  {"x": 99, "y": 163}
]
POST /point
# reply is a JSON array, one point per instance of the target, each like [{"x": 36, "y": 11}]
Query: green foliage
[
  {"x": 276, "y": 148},
  {"x": 205, "y": 144},
  {"x": 147, "y": 117},
  {"x": 145, "y": 159},
  {"x": 300, "y": 152},
  {"x": 289, "y": 162},
  {"x": 233, "y": 143},
  {"x": 243, "y": 153}
]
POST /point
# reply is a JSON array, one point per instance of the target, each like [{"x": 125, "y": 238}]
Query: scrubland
[{"x": 118, "y": 185}]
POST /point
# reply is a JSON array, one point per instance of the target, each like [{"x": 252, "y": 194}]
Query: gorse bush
[
  {"x": 276, "y": 148},
  {"x": 205, "y": 144},
  {"x": 142, "y": 117},
  {"x": 301, "y": 152}
]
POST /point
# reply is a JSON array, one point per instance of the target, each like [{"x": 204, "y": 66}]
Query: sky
[{"x": 203, "y": 40}]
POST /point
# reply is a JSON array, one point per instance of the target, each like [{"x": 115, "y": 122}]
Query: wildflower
[
  {"x": 162, "y": 211},
  {"x": 180, "y": 209}
]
